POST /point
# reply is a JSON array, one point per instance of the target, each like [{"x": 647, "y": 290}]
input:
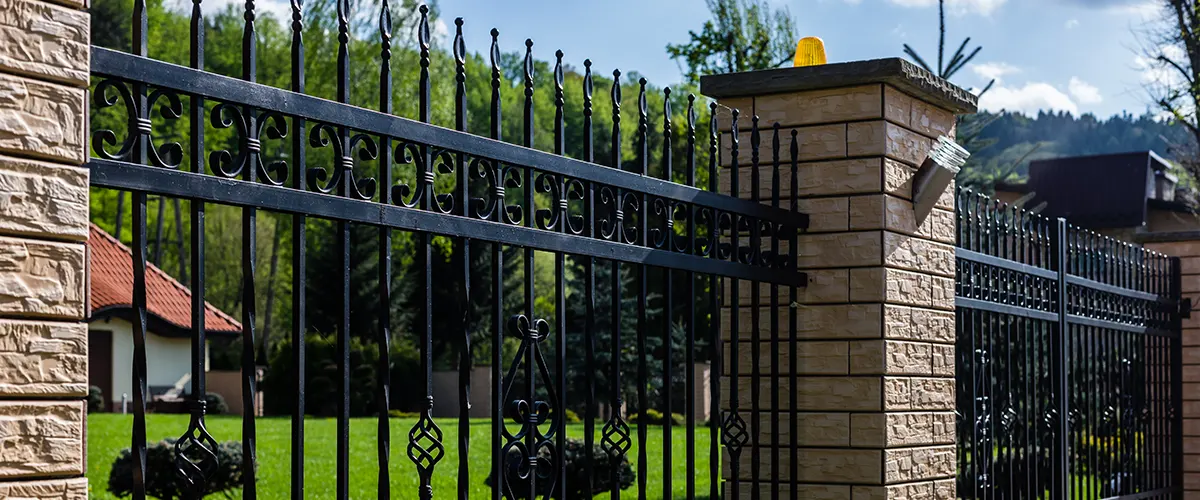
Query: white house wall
[{"x": 167, "y": 358}]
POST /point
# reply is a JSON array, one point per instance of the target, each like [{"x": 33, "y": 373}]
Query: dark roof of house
[
  {"x": 1101, "y": 191},
  {"x": 168, "y": 302}
]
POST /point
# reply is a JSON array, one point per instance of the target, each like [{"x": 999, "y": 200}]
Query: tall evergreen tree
[{"x": 957, "y": 61}]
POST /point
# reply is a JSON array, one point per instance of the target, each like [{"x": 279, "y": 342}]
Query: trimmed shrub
[
  {"x": 572, "y": 417},
  {"x": 655, "y": 417},
  {"x": 403, "y": 414},
  {"x": 95, "y": 400},
  {"x": 214, "y": 404},
  {"x": 575, "y": 455},
  {"x": 163, "y": 480}
]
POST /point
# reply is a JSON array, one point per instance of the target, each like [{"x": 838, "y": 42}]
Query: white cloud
[
  {"x": 957, "y": 7},
  {"x": 1084, "y": 92},
  {"x": 994, "y": 70},
  {"x": 440, "y": 32},
  {"x": 1159, "y": 73},
  {"x": 1145, "y": 10},
  {"x": 1155, "y": 73},
  {"x": 1158, "y": 78},
  {"x": 1028, "y": 99},
  {"x": 1071, "y": 23}
]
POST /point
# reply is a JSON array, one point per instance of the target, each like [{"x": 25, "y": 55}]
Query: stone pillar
[
  {"x": 876, "y": 322},
  {"x": 43, "y": 230}
]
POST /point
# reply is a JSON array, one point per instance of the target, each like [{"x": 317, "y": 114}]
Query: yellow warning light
[{"x": 810, "y": 51}]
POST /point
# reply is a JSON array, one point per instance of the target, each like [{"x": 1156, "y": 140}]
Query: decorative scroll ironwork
[
  {"x": 196, "y": 451},
  {"x": 531, "y": 454},
  {"x": 425, "y": 447},
  {"x": 398, "y": 174},
  {"x": 344, "y": 145},
  {"x": 618, "y": 214},
  {"x": 250, "y": 127},
  {"x": 140, "y": 123}
]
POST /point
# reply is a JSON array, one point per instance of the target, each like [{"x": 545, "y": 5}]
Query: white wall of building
[{"x": 167, "y": 358}]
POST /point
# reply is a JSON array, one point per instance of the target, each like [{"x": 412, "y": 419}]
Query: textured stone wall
[
  {"x": 875, "y": 368},
  {"x": 43, "y": 230}
]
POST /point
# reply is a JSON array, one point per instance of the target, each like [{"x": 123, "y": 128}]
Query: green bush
[
  {"x": 164, "y": 482},
  {"x": 575, "y": 456},
  {"x": 214, "y": 404},
  {"x": 403, "y": 414},
  {"x": 1120, "y": 451},
  {"x": 572, "y": 417},
  {"x": 655, "y": 417},
  {"x": 95, "y": 400}
]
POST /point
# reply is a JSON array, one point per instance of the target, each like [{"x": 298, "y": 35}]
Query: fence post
[
  {"x": 1062, "y": 451},
  {"x": 1177, "y": 439},
  {"x": 867, "y": 402},
  {"x": 44, "y": 62}
]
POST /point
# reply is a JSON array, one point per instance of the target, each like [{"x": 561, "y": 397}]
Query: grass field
[{"x": 108, "y": 434}]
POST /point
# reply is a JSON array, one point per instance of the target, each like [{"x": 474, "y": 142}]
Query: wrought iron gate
[
  {"x": 1069, "y": 372},
  {"x": 401, "y": 175}
]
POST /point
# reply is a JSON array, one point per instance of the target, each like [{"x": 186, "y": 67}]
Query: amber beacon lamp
[{"x": 810, "y": 51}]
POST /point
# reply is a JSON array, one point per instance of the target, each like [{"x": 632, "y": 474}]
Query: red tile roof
[{"x": 111, "y": 275}]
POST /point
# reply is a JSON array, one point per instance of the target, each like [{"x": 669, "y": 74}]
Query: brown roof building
[
  {"x": 168, "y": 325},
  {"x": 168, "y": 302}
]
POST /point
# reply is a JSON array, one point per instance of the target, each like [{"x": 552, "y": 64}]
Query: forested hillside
[{"x": 1002, "y": 144}]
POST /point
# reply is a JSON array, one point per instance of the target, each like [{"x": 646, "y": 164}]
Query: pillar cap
[{"x": 897, "y": 72}]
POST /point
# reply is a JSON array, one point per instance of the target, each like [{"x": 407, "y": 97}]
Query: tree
[
  {"x": 1174, "y": 49},
  {"x": 946, "y": 69},
  {"x": 743, "y": 35},
  {"x": 1008, "y": 141},
  {"x": 970, "y": 128}
]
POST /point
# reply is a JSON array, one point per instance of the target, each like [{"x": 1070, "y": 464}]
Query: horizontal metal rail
[
  {"x": 1115, "y": 290},
  {"x": 1075, "y": 319},
  {"x": 1007, "y": 309},
  {"x": 128, "y": 176},
  {"x": 990, "y": 260},
  {"x": 129, "y": 67}
]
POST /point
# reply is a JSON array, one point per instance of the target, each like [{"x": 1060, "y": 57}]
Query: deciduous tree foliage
[{"x": 743, "y": 35}]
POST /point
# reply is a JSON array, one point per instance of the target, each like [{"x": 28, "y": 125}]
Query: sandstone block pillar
[
  {"x": 43, "y": 231},
  {"x": 875, "y": 370}
]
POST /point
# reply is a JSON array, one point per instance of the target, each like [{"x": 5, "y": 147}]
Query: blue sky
[{"x": 1079, "y": 56}]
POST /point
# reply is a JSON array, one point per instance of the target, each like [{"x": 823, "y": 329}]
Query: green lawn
[{"x": 108, "y": 434}]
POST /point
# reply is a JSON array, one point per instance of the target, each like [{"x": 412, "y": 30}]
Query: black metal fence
[
  {"x": 1069, "y": 377},
  {"x": 399, "y": 175}
]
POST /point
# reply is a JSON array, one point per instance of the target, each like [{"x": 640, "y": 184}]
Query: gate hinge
[{"x": 1185, "y": 307}]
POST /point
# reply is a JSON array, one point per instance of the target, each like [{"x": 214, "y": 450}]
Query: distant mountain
[{"x": 1002, "y": 144}]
